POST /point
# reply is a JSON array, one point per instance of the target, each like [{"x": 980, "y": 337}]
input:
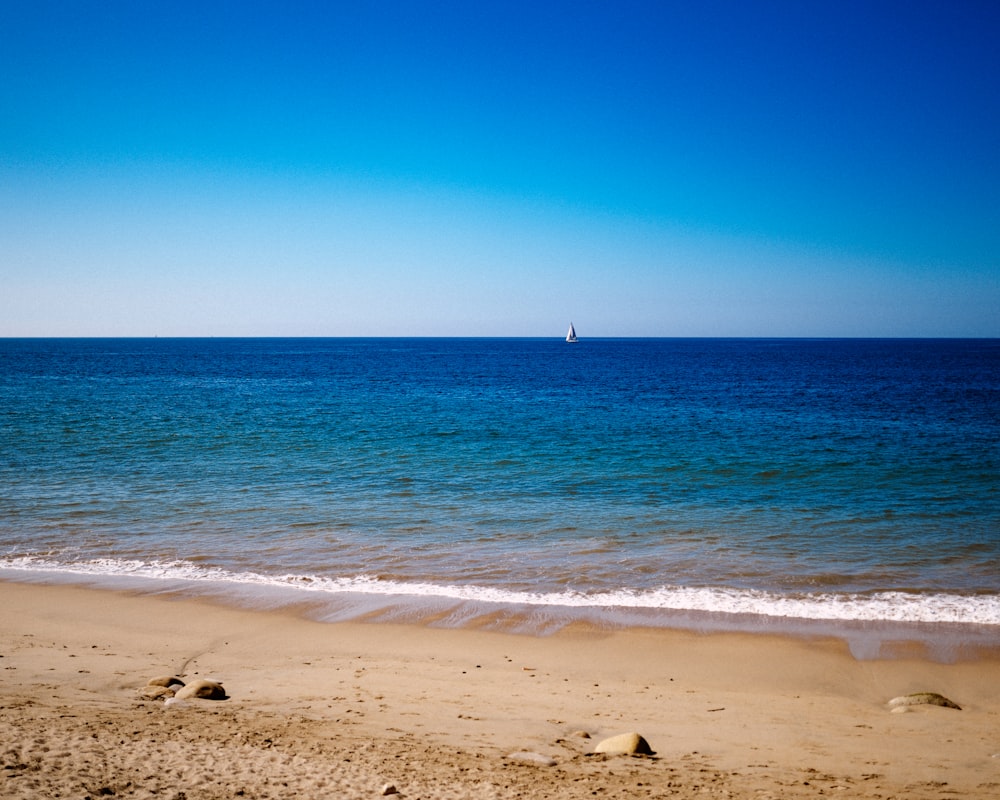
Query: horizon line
[{"x": 557, "y": 337}]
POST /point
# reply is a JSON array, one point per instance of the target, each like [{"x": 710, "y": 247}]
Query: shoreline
[
  {"x": 341, "y": 709},
  {"x": 866, "y": 639}
]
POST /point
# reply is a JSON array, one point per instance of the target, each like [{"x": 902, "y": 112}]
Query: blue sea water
[{"x": 649, "y": 481}]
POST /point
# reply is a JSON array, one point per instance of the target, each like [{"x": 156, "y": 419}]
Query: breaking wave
[{"x": 882, "y": 606}]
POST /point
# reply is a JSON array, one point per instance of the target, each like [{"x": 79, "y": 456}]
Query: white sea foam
[{"x": 901, "y": 607}]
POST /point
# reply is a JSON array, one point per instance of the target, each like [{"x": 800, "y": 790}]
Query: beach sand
[{"x": 358, "y": 710}]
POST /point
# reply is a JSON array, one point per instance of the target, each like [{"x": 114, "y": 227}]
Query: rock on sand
[
  {"x": 154, "y": 692},
  {"x": 203, "y": 689},
  {"x": 627, "y": 744},
  {"x": 922, "y": 699}
]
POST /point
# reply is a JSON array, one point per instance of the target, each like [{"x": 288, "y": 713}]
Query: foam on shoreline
[{"x": 948, "y": 627}]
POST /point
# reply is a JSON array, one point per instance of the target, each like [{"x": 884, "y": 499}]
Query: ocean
[{"x": 823, "y": 486}]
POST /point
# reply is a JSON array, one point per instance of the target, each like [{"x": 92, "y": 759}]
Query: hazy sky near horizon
[{"x": 499, "y": 169}]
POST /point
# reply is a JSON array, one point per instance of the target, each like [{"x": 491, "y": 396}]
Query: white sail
[{"x": 571, "y": 336}]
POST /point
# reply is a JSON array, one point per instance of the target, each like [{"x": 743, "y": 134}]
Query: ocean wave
[{"x": 886, "y": 606}]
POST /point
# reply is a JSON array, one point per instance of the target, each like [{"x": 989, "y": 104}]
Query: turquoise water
[{"x": 850, "y": 480}]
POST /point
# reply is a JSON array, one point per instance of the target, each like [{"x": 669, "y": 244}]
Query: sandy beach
[{"x": 359, "y": 710}]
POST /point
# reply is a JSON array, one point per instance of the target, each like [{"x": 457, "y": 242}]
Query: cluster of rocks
[
  {"x": 165, "y": 687},
  {"x": 633, "y": 744}
]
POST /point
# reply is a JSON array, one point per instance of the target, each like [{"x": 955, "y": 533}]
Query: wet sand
[{"x": 351, "y": 710}]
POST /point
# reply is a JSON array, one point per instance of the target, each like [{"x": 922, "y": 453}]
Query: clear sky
[{"x": 666, "y": 168}]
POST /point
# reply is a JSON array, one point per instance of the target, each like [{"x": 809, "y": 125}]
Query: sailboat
[{"x": 571, "y": 336}]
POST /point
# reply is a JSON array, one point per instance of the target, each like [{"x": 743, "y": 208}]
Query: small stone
[
  {"x": 580, "y": 734},
  {"x": 923, "y": 699},
  {"x": 389, "y": 789},
  {"x": 202, "y": 689},
  {"x": 626, "y": 744},
  {"x": 156, "y": 692}
]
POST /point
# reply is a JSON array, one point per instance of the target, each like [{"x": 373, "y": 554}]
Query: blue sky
[{"x": 499, "y": 169}]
